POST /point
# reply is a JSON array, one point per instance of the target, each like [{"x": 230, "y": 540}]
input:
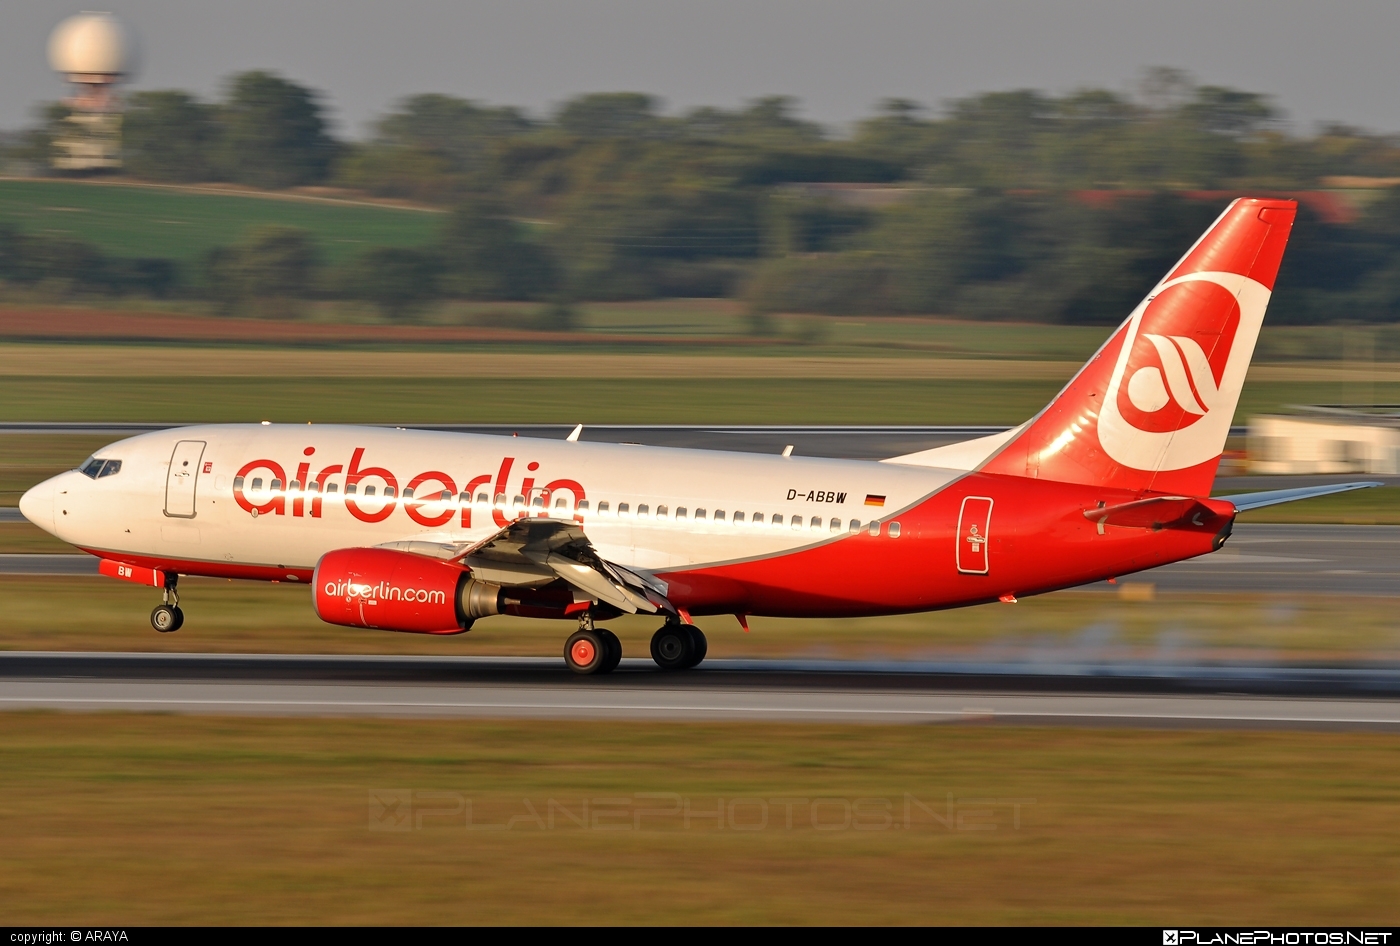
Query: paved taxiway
[
  {"x": 1259, "y": 557},
  {"x": 721, "y": 690}
]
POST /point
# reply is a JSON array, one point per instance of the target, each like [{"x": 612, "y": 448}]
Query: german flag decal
[{"x": 872, "y": 500}]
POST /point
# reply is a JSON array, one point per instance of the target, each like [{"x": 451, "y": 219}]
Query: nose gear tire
[{"x": 166, "y": 618}]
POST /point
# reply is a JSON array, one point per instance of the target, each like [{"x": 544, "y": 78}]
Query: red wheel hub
[{"x": 583, "y": 652}]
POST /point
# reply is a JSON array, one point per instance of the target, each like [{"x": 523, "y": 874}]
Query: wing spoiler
[{"x": 1246, "y": 501}]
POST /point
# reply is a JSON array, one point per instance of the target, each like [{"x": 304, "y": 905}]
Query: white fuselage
[{"x": 191, "y": 493}]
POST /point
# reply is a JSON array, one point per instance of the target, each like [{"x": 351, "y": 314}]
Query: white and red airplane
[{"x": 427, "y": 532}]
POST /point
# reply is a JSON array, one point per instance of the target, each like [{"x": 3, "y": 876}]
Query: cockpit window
[{"x": 95, "y": 467}]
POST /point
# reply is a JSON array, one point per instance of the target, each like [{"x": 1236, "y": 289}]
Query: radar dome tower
[{"x": 93, "y": 52}]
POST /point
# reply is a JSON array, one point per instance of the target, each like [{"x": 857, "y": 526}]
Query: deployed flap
[
  {"x": 528, "y": 551},
  {"x": 1148, "y": 513},
  {"x": 1272, "y": 497}
]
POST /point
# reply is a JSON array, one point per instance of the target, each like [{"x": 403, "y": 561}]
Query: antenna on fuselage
[
  {"x": 573, "y": 437},
  {"x": 787, "y": 451}
]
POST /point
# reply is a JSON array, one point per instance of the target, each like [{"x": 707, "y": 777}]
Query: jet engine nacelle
[{"x": 400, "y": 591}]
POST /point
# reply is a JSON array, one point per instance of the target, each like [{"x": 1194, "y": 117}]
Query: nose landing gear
[{"x": 168, "y": 617}]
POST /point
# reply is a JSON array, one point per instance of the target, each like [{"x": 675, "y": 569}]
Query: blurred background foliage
[{"x": 1011, "y": 205}]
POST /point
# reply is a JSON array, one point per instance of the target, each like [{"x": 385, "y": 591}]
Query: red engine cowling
[{"x": 397, "y": 591}]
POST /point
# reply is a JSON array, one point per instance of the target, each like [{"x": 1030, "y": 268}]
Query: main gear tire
[
  {"x": 586, "y": 652},
  {"x": 673, "y": 647},
  {"x": 614, "y": 654},
  {"x": 699, "y": 646}
]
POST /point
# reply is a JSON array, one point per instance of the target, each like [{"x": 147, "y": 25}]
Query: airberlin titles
[{"x": 429, "y": 488}]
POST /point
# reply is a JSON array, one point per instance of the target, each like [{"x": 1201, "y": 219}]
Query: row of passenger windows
[{"x": 644, "y": 511}]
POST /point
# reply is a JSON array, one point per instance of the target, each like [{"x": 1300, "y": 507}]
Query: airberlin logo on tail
[
  {"x": 1189, "y": 379},
  {"x": 1177, "y": 378}
]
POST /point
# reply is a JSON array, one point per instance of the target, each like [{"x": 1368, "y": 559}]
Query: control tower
[{"x": 93, "y": 52}]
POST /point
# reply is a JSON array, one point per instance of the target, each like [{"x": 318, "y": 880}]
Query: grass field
[
  {"x": 182, "y": 224},
  {"x": 140, "y": 819},
  {"x": 249, "y": 617}
]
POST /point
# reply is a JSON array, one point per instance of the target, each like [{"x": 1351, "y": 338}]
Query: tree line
[{"x": 1006, "y": 205}]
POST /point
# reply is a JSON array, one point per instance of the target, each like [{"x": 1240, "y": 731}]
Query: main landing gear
[
  {"x": 677, "y": 646},
  {"x": 591, "y": 649},
  {"x": 168, "y": 617}
]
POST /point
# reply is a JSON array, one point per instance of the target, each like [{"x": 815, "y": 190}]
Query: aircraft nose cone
[{"x": 36, "y": 505}]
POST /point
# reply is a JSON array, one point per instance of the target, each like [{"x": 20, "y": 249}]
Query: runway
[
  {"x": 770, "y": 691},
  {"x": 1261, "y": 557}
]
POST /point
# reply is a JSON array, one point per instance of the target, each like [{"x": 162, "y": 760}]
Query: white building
[{"x": 1326, "y": 440}]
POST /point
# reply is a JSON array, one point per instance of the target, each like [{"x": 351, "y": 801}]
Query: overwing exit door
[
  {"x": 974, "y": 526},
  {"x": 180, "y": 481}
]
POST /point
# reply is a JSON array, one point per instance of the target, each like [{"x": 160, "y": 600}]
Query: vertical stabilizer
[{"x": 1152, "y": 409}]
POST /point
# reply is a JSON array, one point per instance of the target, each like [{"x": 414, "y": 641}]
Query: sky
[{"x": 1319, "y": 61}]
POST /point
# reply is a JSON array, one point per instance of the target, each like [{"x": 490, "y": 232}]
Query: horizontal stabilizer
[
  {"x": 1272, "y": 497},
  {"x": 1157, "y": 512}
]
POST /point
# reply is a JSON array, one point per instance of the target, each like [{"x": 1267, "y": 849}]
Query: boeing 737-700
[{"x": 427, "y": 532}]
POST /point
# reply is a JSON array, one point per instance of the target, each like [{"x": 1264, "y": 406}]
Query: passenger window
[
  {"x": 777, "y": 519},
  {"x": 369, "y": 490},
  {"x": 350, "y": 489},
  {"x": 335, "y": 488},
  {"x": 257, "y": 482},
  {"x": 875, "y": 527},
  {"x": 855, "y": 526},
  {"x": 680, "y": 512},
  {"x": 894, "y": 530},
  {"x": 110, "y": 468},
  {"x": 388, "y": 492},
  {"x": 561, "y": 503},
  {"x": 294, "y": 485},
  {"x": 603, "y": 507},
  {"x": 738, "y": 517},
  {"x": 277, "y": 486},
  {"x": 583, "y": 505},
  {"x": 758, "y": 518},
  {"x": 797, "y": 522},
  {"x": 518, "y": 501},
  {"x": 238, "y": 482},
  {"x": 719, "y": 515},
  {"x": 623, "y": 508},
  {"x": 643, "y": 510},
  {"x": 445, "y": 496},
  {"x": 835, "y": 525},
  {"x": 312, "y": 486},
  {"x": 700, "y": 513},
  {"x": 816, "y": 523},
  {"x": 500, "y": 499},
  {"x": 661, "y": 512},
  {"x": 537, "y": 502},
  {"x": 483, "y": 497},
  {"x": 407, "y": 492}
]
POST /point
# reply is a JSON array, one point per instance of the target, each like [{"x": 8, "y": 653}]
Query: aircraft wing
[
  {"x": 531, "y": 552},
  {"x": 1272, "y": 497}
]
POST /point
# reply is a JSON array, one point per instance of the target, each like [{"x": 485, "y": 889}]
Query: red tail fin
[{"x": 1152, "y": 409}]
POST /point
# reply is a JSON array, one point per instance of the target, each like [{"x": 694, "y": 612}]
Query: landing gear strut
[
  {"x": 168, "y": 617},
  {"x": 592, "y": 649},
  {"x": 677, "y": 646}
]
